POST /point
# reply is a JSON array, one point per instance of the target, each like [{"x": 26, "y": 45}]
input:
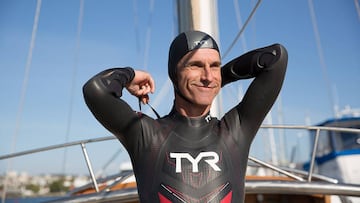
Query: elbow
[
  {"x": 92, "y": 91},
  {"x": 283, "y": 58},
  {"x": 282, "y": 61},
  {"x": 273, "y": 56},
  {"x": 88, "y": 88}
]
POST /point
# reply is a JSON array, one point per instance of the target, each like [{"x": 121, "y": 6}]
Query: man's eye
[
  {"x": 215, "y": 65},
  {"x": 195, "y": 65}
]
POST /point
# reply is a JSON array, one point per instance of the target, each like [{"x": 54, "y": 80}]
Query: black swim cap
[{"x": 184, "y": 43}]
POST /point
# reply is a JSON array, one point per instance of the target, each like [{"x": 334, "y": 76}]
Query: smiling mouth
[{"x": 206, "y": 87}]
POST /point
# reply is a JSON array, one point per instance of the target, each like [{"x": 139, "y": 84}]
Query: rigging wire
[
  {"x": 273, "y": 150},
  {"x": 166, "y": 87},
  {"x": 136, "y": 25},
  {"x": 242, "y": 29},
  {"x": 239, "y": 21},
  {"x": 23, "y": 92},
  {"x": 107, "y": 164},
  {"x": 147, "y": 45},
  {"x": 320, "y": 51},
  {"x": 243, "y": 40},
  {"x": 357, "y": 6},
  {"x": 239, "y": 91},
  {"x": 148, "y": 34},
  {"x": 73, "y": 81}
]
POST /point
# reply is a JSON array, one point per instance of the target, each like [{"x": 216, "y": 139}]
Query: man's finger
[{"x": 144, "y": 99}]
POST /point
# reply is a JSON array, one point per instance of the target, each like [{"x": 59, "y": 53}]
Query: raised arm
[
  {"x": 267, "y": 66},
  {"x": 102, "y": 95}
]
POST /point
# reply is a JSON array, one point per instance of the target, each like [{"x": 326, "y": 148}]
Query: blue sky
[{"x": 124, "y": 33}]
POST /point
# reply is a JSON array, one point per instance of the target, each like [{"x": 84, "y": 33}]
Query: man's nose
[{"x": 207, "y": 73}]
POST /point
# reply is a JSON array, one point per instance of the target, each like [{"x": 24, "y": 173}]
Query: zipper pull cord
[{"x": 152, "y": 108}]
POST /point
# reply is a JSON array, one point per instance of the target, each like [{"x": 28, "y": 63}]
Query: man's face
[{"x": 199, "y": 76}]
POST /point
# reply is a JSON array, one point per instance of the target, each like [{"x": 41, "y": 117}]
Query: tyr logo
[
  {"x": 200, "y": 43},
  {"x": 210, "y": 157}
]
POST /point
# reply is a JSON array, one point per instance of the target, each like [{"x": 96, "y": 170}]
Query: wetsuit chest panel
[{"x": 194, "y": 170}]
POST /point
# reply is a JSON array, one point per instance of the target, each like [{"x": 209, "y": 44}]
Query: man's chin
[{"x": 203, "y": 103}]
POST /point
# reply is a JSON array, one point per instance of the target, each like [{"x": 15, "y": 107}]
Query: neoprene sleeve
[
  {"x": 251, "y": 63},
  {"x": 101, "y": 94}
]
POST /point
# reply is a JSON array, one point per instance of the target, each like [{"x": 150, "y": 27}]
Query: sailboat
[{"x": 283, "y": 184}]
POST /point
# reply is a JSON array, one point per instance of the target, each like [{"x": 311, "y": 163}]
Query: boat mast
[{"x": 201, "y": 15}]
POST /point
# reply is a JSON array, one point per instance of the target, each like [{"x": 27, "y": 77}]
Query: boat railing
[
  {"x": 317, "y": 129},
  {"x": 286, "y": 172}
]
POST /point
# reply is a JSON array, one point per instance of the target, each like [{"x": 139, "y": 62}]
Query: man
[{"x": 189, "y": 156}]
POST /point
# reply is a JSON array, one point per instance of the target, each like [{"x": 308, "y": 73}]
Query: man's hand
[{"x": 141, "y": 86}]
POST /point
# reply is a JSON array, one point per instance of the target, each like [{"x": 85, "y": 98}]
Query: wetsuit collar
[{"x": 193, "y": 122}]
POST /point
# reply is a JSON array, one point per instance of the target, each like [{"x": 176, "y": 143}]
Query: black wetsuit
[{"x": 180, "y": 159}]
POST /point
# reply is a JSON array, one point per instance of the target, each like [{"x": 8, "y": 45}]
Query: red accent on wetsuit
[
  {"x": 227, "y": 198},
  {"x": 163, "y": 199}
]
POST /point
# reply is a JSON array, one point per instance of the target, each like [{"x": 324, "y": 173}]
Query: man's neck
[{"x": 191, "y": 110}]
